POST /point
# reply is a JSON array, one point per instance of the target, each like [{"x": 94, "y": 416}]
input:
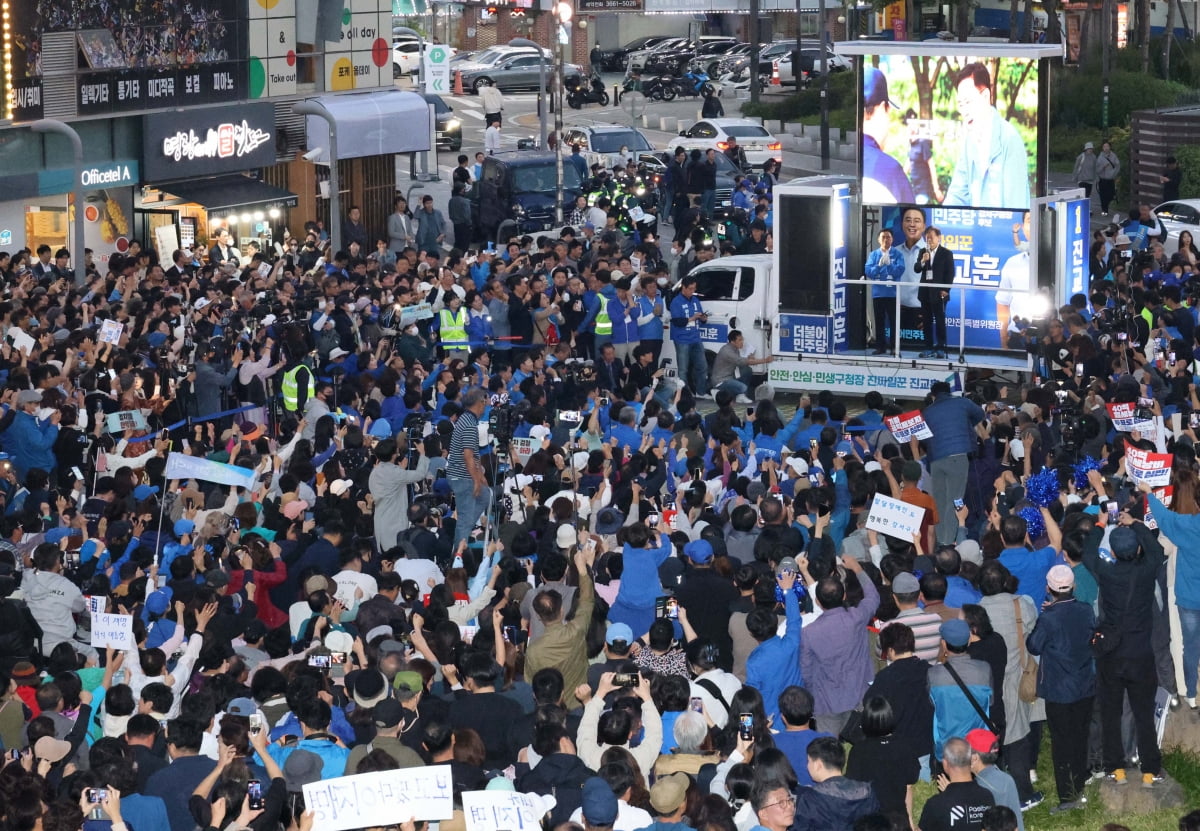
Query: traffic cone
[
  {"x": 775, "y": 73},
  {"x": 458, "y": 90}
]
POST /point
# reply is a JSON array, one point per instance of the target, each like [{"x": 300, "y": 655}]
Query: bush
[
  {"x": 805, "y": 104},
  {"x": 1189, "y": 163},
  {"x": 1077, "y": 97}
]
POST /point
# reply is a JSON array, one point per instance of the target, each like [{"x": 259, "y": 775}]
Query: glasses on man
[{"x": 787, "y": 801}]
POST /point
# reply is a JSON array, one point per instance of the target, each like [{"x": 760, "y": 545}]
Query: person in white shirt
[
  {"x": 493, "y": 103},
  {"x": 351, "y": 578}
]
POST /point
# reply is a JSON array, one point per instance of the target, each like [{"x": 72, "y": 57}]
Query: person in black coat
[{"x": 935, "y": 264}]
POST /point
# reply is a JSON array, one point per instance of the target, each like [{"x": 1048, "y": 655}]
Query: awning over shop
[
  {"x": 371, "y": 124},
  {"x": 226, "y": 194}
]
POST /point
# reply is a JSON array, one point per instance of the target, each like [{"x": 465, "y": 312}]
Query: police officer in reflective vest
[
  {"x": 452, "y": 327},
  {"x": 298, "y": 386},
  {"x": 604, "y": 326}
]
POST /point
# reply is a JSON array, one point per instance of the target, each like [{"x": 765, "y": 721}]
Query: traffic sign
[{"x": 436, "y": 69}]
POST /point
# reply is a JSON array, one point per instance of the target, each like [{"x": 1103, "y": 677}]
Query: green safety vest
[
  {"x": 603, "y": 321},
  {"x": 453, "y": 333},
  {"x": 291, "y": 389}
]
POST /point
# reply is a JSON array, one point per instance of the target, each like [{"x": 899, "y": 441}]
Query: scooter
[{"x": 593, "y": 93}]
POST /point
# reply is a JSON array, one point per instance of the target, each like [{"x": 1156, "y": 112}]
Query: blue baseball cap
[
  {"x": 157, "y": 603},
  {"x": 143, "y": 492},
  {"x": 618, "y": 632},
  {"x": 875, "y": 88},
  {"x": 380, "y": 429},
  {"x": 90, "y": 549},
  {"x": 598, "y": 803},
  {"x": 955, "y": 632},
  {"x": 699, "y": 551},
  {"x": 184, "y": 526}
]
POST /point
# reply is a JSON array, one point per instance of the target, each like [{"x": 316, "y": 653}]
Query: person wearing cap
[
  {"x": 29, "y": 441},
  {"x": 985, "y": 753},
  {"x": 562, "y": 643},
  {"x": 961, "y": 804},
  {"x": 906, "y": 590},
  {"x": 705, "y": 596},
  {"x": 618, "y": 641},
  {"x": 668, "y": 798},
  {"x": 773, "y": 666},
  {"x": 1086, "y": 169},
  {"x": 884, "y": 180},
  {"x": 599, "y": 806},
  {"x": 835, "y": 653},
  {"x": 954, "y": 704},
  {"x": 388, "y": 717}
]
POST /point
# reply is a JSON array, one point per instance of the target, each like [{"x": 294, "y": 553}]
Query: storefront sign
[
  {"x": 209, "y": 141},
  {"x": 114, "y": 174},
  {"x": 25, "y": 99},
  {"x": 609, "y": 5}
]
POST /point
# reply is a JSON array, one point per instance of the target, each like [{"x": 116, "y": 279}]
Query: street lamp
[
  {"x": 562, "y": 13},
  {"x": 541, "y": 83},
  {"x": 335, "y": 196},
  {"x": 53, "y": 125}
]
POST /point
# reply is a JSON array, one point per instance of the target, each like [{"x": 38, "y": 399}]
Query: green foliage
[
  {"x": 805, "y": 104},
  {"x": 1077, "y": 97},
  {"x": 1189, "y": 163}
]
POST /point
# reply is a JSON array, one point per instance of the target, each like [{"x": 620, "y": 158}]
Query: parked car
[
  {"x": 810, "y": 64},
  {"x": 613, "y": 60},
  {"x": 517, "y": 72},
  {"x": 404, "y": 56},
  {"x": 1176, "y": 216},
  {"x": 449, "y": 127},
  {"x": 657, "y": 163},
  {"x": 639, "y": 59},
  {"x": 520, "y": 187},
  {"x": 752, "y": 137}
]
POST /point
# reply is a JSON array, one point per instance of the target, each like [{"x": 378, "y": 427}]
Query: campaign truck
[{"x": 957, "y": 134}]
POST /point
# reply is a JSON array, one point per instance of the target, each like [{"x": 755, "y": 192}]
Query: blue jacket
[
  {"x": 333, "y": 756},
  {"x": 960, "y": 592},
  {"x": 952, "y": 421},
  {"x": 640, "y": 586},
  {"x": 1063, "y": 637},
  {"x": 953, "y": 714},
  {"x": 31, "y": 444},
  {"x": 592, "y": 304},
  {"x": 1030, "y": 568},
  {"x": 624, "y": 321},
  {"x": 885, "y": 272},
  {"x": 774, "y": 665},
  {"x": 1179, "y": 528},
  {"x": 338, "y": 726},
  {"x": 652, "y": 329}
]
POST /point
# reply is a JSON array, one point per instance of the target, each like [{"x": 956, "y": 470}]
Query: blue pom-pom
[
  {"x": 1042, "y": 488},
  {"x": 1085, "y": 466},
  {"x": 1033, "y": 521}
]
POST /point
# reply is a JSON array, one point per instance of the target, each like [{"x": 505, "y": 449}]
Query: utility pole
[
  {"x": 754, "y": 41},
  {"x": 563, "y": 12}
]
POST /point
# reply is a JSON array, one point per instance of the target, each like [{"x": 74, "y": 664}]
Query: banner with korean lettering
[
  {"x": 383, "y": 798},
  {"x": 909, "y": 425},
  {"x": 839, "y": 244},
  {"x": 1143, "y": 466},
  {"x": 1164, "y": 496},
  {"x": 1078, "y": 226},
  {"x": 991, "y": 252},
  {"x": 505, "y": 810},
  {"x": 894, "y": 518}
]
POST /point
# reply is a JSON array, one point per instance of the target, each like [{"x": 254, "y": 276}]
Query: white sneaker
[
  {"x": 742, "y": 399},
  {"x": 1192, "y": 702},
  {"x": 706, "y": 396}
]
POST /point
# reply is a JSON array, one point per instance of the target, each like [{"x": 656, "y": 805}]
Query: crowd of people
[{"x": 376, "y": 510}]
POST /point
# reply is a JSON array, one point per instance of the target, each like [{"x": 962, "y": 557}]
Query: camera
[{"x": 502, "y": 422}]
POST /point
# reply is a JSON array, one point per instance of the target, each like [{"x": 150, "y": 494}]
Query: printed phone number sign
[
  {"x": 909, "y": 425},
  {"x": 894, "y": 518},
  {"x": 383, "y": 798},
  {"x": 1152, "y": 468},
  {"x": 504, "y": 810}
]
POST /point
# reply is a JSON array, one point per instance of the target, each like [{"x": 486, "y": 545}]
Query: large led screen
[{"x": 953, "y": 130}]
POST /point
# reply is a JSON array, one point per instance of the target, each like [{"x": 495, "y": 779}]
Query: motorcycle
[
  {"x": 593, "y": 93},
  {"x": 694, "y": 83}
]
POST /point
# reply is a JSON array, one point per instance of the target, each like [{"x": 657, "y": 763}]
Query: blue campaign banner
[
  {"x": 715, "y": 335},
  {"x": 991, "y": 250},
  {"x": 1076, "y": 249},
  {"x": 804, "y": 333},
  {"x": 839, "y": 241}
]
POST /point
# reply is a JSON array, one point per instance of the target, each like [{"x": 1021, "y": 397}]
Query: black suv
[{"x": 516, "y": 192}]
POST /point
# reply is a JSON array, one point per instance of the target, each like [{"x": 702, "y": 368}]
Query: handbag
[
  {"x": 852, "y": 731},
  {"x": 1027, "y": 689}
]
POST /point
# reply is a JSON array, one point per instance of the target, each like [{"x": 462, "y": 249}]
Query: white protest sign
[
  {"x": 907, "y": 425},
  {"x": 21, "y": 340},
  {"x": 894, "y": 518},
  {"x": 411, "y": 314},
  {"x": 110, "y": 331},
  {"x": 1152, "y": 468},
  {"x": 382, "y": 798},
  {"x": 522, "y": 449},
  {"x": 505, "y": 810},
  {"x": 112, "y": 630},
  {"x": 125, "y": 420}
]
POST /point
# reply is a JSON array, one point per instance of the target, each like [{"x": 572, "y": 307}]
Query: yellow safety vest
[
  {"x": 291, "y": 389},
  {"x": 453, "y": 333},
  {"x": 603, "y": 321}
]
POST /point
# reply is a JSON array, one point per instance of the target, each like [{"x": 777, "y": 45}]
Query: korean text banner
[
  {"x": 960, "y": 131},
  {"x": 991, "y": 251}
]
